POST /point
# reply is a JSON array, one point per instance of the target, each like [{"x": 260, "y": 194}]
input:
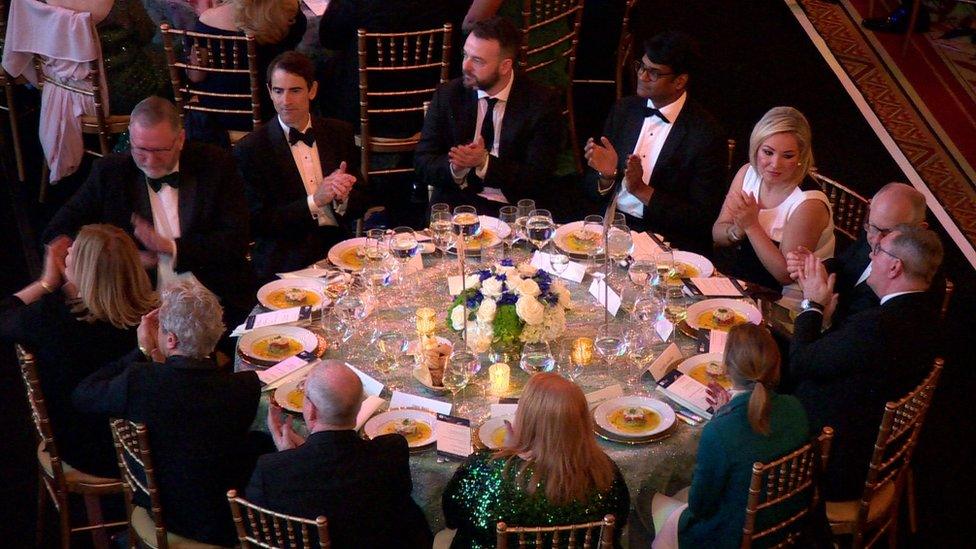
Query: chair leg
[
  {"x": 910, "y": 500},
  {"x": 45, "y": 181},
  {"x": 893, "y": 531},
  {"x": 15, "y": 134},
  {"x": 41, "y": 509},
  {"x": 93, "y": 508},
  {"x": 64, "y": 516}
]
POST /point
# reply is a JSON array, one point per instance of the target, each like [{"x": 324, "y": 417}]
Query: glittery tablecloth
[{"x": 665, "y": 465}]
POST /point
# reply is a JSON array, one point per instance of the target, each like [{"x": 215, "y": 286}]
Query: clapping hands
[
  {"x": 54, "y": 261},
  {"x": 285, "y": 438},
  {"x": 468, "y": 156},
  {"x": 335, "y": 186},
  {"x": 744, "y": 210},
  {"x": 152, "y": 240},
  {"x": 601, "y": 156},
  {"x": 817, "y": 285}
]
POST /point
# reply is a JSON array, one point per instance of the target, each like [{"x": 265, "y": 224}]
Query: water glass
[
  {"x": 441, "y": 230},
  {"x": 558, "y": 261},
  {"x": 539, "y": 228},
  {"x": 610, "y": 342},
  {"x": 664, "y": 263},
  {"x": 376, "y": 247},
  {"x": 334, "y": 330},
  {"x": 509, "y": 215},
  {"x": 524, "y": 207},
  {"x": 460, "y": 366},
  {"x": 390, "y": 344},
  {"x": 591, "y": 235},
  {"x": 641, "y": 273},
  {"x": 537, "y": 357}
]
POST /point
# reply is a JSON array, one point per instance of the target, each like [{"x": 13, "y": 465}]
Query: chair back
[
  {"x": 625, "y": 74},
  {"x": 8, "y": 91},
  {"x": 558, "y": 21},
  {"x": 596, "y": 535},
  {"x": 56, "y": 483},
  {"x": 784, "y": 480},
  {"x": 213, "y": 54},
  {"x": 849, "y": 208},
  {"x": 132, "y": 450},
  {"x": 398, "y": 73},
  {"x": 900, "y": 426},
  {"x": 271, "y": 530}
]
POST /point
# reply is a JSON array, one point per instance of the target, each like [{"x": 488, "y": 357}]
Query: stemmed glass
[
  {"x": 537, "y": 357},
  {"x": 403, "y": 245},
  {"x": 376, "y": 248},
  {"x": 509, "y": 216},
  {"x": 590, "y": 236},
  {"x": 610, "y": 342},
  {"x": 641, "y": 273},
  {"x": 539, "y": 228},
  {"x": 440, "y": 207},
  {"x": 675, "y": 307},
  {"x": 619, "y": 242},
  {"x": 525, "y": 207},
  {"x": 350, "y": 309},
  {"x": 558, "y": 261},
  {"x": 391, "y": 344},
  {"x": 440, "y": 230},
  {"x": 664, "y": 263},
  {"x": 334, "y": 330},
  {"x": 460, "y": 366}
]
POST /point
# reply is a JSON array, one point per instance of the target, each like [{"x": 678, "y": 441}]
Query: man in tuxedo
[
  {"x": 197, "y": 414},
  {"x": 662, "y": 155},
  {"x": 847, "y": 374},
  {"x": 491, "y": 137},
  {"x": 361, "y": 486},
  {"x": 182, "y": 201},
  {"x": 894, "y": 204},
  {"x": 301, "y": 175}
]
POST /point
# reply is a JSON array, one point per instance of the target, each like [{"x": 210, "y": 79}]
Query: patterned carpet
[{"x": 947, "y": 177}]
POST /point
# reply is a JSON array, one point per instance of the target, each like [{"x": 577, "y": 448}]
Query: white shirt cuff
[
  {"x": 481, "y": 170},
  {"x": 322, "y": 215},
  {"x": 459, "y": 175}
]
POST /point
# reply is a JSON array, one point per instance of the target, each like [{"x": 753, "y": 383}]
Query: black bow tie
[
  {"x": 651, "y": 111},
  {"x": 294, "y": 136},
  {"x": 173, "y": 180}
]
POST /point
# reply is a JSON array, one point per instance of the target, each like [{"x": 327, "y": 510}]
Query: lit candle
[
  {"x": 582, "y": 352},
  {"x": 498, "y": 375},
  {"x": 426, "y": 323}
]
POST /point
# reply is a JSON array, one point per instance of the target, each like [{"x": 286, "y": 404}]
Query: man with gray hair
[
  {"x": 183, "y": 202},
  {"x": 361, "y": 486},
  {"x": 846, "y": 375},
  {"x": 198, "y": 415}
]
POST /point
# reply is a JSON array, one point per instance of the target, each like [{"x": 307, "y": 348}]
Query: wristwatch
[
  {"x": 808, "y": 304},
  {"x": 733, "y": 236}
]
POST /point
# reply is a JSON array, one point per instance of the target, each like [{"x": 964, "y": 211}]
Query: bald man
[
  {"x": 894, "y": 204},
  {"x": 361, "y": 486}
]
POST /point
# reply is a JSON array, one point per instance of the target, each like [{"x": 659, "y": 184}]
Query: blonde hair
[
  {"x": 554, "y": 428},
  {"x": 783, "y": 120},
  {"x": 112, "y": 284},
  {"x": 267, "y": 20},
  {"x": 753, "y": 360}
]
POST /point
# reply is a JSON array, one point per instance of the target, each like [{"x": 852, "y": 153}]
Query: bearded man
[{"x": 491, "y": 137}]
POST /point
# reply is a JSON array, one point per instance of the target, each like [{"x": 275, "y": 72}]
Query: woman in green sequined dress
[{"x": 551, "y": 471}]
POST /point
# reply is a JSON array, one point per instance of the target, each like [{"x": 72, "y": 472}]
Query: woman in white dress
[{"x": 773, "y": 207}]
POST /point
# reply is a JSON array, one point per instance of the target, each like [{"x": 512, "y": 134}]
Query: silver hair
[
  {"x": 191, "y": 312},
  {"x": 155, "y": 110},
  {"x": 336, "y": 391},
  {"x": 904, "y": 191},
  {"x": 919, "y": 250}
]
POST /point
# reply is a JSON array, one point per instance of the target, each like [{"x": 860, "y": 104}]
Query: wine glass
[
  {"x": 590, "y": 238},
  {"x": 539, "y": 228},
  {"x": 619, "y": 242},
  {"x": 457, "y": 373},
  {"x": 440, "y": 207},
  {"x": 350, "y": 309},
  {"x": 334, "y": 329},
  {"x": 509, "y": 215},
  {"x": 390, "y": 344},
  {"x": 537, "y": 357},
  {"x": 610, "y": 342},
  {"x": 577, "y": 355},
  {"x": 403, "y": 245},
  {"x": 642, "y": 345},
  {"x": 641, "y": 273},
  {"x": 675, "y": 307},
  {"x": 525, "y": 207},
  {"x": 664, "y": 263},
  {"x": 440, "y": 230}
]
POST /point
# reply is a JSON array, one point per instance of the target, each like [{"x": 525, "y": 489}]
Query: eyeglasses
[
  {"x": 878, "y": 248},
  {"x": 873, "y": 229},
  {"x": 652, "y": 74},
  {"x": 144, "y": 150}
]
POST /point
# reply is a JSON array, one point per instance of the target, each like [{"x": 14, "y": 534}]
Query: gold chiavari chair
[
  {"x": 849, "y": 208},
  {"x": 58, "y": 479},
  {"x": 876, "y": 513},
  {"x": 8, "y": 84},
  {"x": 559, "y": 20},
  {"x": 596, "y": 535},
  {"x": 212, "y": 54},
  {"x": 146, "y": 528},
  {"x": 271, "y": 530},
  {"x": 625, "y": 56},
  {"x": 782, "y": 481},
  {"x": 420, "y": 60}
]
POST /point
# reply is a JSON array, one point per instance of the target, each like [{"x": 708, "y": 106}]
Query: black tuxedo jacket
[
  {"x": 846, "y": 375},
  {"x": 689, "y": 177},
  {"x": 198, "y": 418},
  {"x": 286, "y": 237},
  {"x": 531, "y": 138},
  {"x": 362, "y": 487},
  {"x": 212, "y": 211}
]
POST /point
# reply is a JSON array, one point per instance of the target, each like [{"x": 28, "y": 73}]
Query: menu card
[
  {"x": 286, "y": 367},
  {"x": 645, "y": 247},
  {"x": 367, "y": 409},
  {"x": 273, "y": 318},
  {"x": 501, "y": 410},
  {"x": 406, "y": 400},
  {"x": 716, "y": 341},
  {"x": 713, "y": 287},
  {"x": 453, "y": 436},
  {"x": 574, "y": 270},
  {"x": 687, "y": 392},
  {"x": 605, "y": 295},
  {"x": 606, "y": 393},
  {"x": 371, "y": 386},
  {"x": 663, "y": 327},
  {"x": 659, "y": 368}
]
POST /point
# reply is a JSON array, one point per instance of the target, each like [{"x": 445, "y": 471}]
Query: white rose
[
  {"x": 472, "y": 281},
  {"x": 457, "y": 317},
  {"x": 491, "y": 287},
  {"x": 486, "y": 312},
  {"x": 512, "y": 281},
  {"x": 504, "y": 269},
  {"x": 530, "y": 310},
  {"x": 527, "y": 269},
  {"x": 528, "y": 287},
  {"x": 564, "y": 298}
]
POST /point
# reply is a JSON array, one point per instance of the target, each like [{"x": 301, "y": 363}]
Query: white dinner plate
[
  {"x": 498, "y": 229},
  {"x": 383, "y": 423},
  {"x": 312, "y": 287},
  {"x": 251, "y": 344},
  {"x": 348, "y": 254},
  {"x": 562, "y": 234},
  {"x": 748, "y": 310},
  {"x": 283, "y": 392},
  {"x": 491, "y": 430},
  {"x": 602, "y": 415},
  {"x": 695, "y": 367},
  {"x": 699, "y": 262}
]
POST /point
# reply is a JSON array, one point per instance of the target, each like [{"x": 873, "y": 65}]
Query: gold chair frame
[
  {"x": 272, "y": 530},
  {"x": 604, "y": 539},
  {"x": 849, "y": 208},
  {"x": 8, "y": 84},
  {"x": 398, "y": 53},
  {"x": 62, "y": 479},
  {"x": 890, "y": 464},
  {"x": 625, "y": 52},
  {"x": 537, "y": 14},
  {"x": 234, "y": 55},
  {"x": 781, "y": 480}
]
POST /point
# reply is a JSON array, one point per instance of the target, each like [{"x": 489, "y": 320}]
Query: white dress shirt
[
  {"x": 864, "y": 275},
  {"x": 310, "y": 169},
  {"x": 896, "y": 294},
  {"x": 497, "y": 114},
  {"x": 654, "y": 132},
  {"x": 165, "y": 208}
]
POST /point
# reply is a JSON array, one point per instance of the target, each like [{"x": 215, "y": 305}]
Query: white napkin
[
  {"x": 366, "y": 411},
  {"x": 406, "y": 400},
  {"x": 644, "y": 246}
]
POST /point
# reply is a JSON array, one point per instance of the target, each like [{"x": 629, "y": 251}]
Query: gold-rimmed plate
[
  {"x": 348, "y": 254},
  {"x": 271, "y": 344},
  {"x": 699, "y": 314},
  {"x": 492, "y": 434},
  {"x": 286, "y": 293},
  {"x": 607, "y": 435},
  {"x": 654, "y": 416},
  {"x": 384, "y": 423}
]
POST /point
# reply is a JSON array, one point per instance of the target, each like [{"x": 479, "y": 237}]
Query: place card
[
  {"x": 367, "y": 409},
  {"x": 406, "y": 400},
  {"x": 716, "y": 341},
  {"x": 371, "y": 386},
  {"x": 286, "y": 367},
  {"x": 501, "y": 410},
  {"x": 281, "y": 316},
  {"x": 605, "y": 295},
  {"x": 317, "y": 7},
  {"x": 453, "y": 436},
  {"x": 686, "y": 391},
  {"x": 644, "y": 246},
  {"x": 574, "y": 270},
  {"x": 454, "y": 285},
  {"x": 659, "y": 368},
  {"x": 663, "y": 327},
  {"x": 716, "y": 286},
  {"x": 606, "y": 393}
]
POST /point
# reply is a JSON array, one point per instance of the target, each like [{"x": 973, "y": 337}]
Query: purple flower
[
  {"x": 484, "y": 274},
  {"x": 475, "y": 300},
  {"x": 507, "y": 298},
  {"x": 551, "y": 299},
  {"x": 507, "y": 263}
]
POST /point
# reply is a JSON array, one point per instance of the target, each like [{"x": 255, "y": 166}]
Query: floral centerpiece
[{"x": 509, "y": 305}]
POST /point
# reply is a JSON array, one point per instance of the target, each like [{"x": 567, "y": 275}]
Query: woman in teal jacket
[{"x": 754, "y": 424}]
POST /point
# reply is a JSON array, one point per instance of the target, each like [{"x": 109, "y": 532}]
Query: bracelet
[
  {"x": 147, "y": 352},
  {"x": 47, "y": 287},
  {"x": 730, "y": 232},
  {"x": 608, "y": 177}
]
